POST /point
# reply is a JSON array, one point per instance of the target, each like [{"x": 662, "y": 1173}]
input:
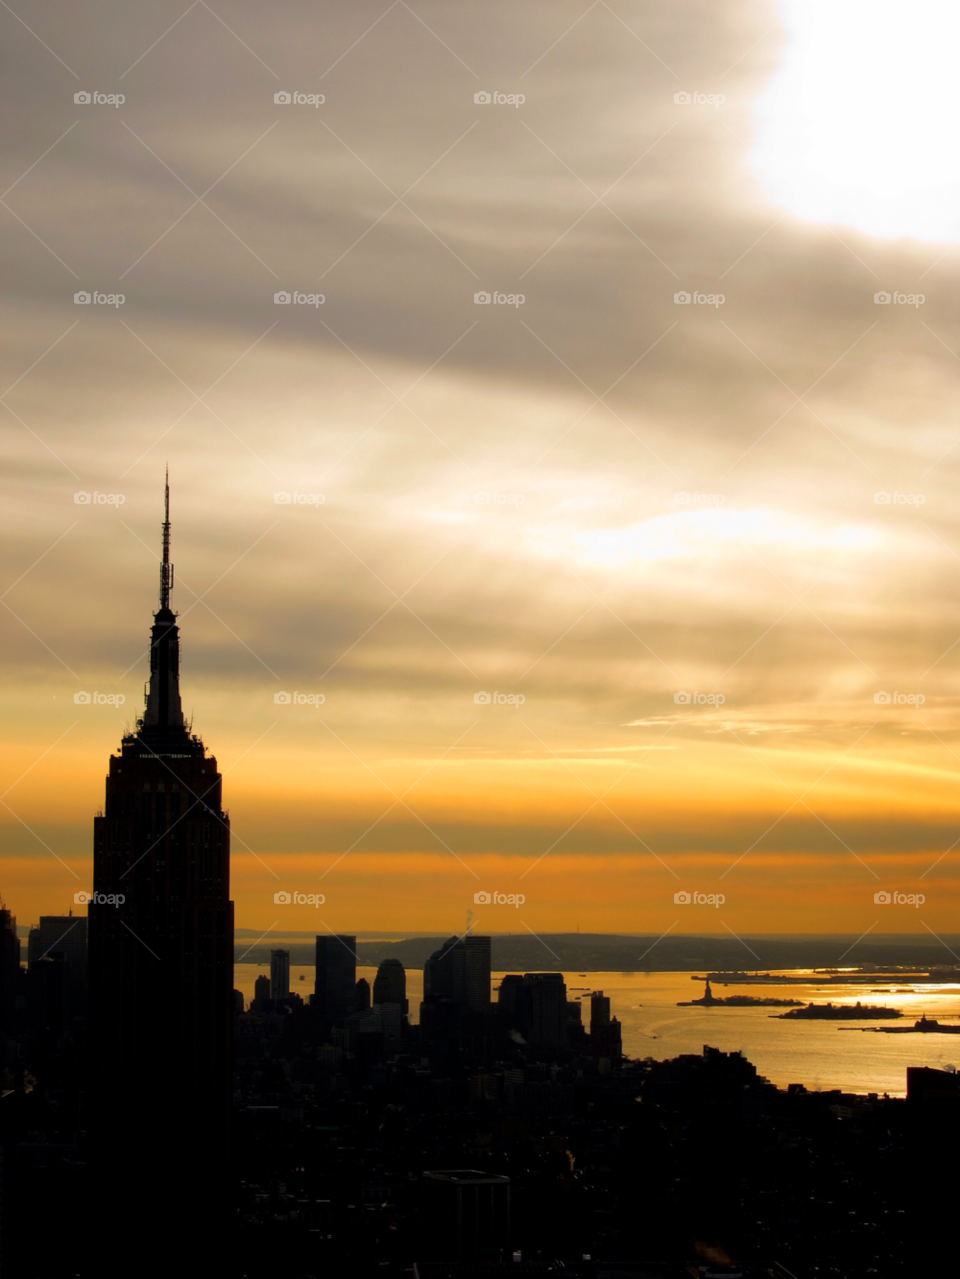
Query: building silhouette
[
  {"x": 605, "y": 1033},
  {"x": 390, "y": 984},
  {"x": 466, "y": 1215},
  {"x": 279, "y": 975},
  {"x": 160, "y": 959},
  {"x": 261, "y": 995},
  {"x": 63, "y": 937},
  {"x": 460, "y": 971},
  {"x": 9, "y": 970},
  {"x": 336, "y": 976}
]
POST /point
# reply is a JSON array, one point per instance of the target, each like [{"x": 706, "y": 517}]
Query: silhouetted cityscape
[{"x": 176, "y": 1130}]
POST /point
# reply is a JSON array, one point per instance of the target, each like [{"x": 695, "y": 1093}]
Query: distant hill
[{"x": 605, "y": 952}]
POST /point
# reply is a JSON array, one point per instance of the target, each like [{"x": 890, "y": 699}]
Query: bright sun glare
[{"x": 860, "y": 124}]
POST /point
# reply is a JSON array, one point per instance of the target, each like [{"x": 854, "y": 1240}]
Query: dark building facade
[
  {"x": 390, "y": 984},
  {"x": 160, "y": 927},
  {"x": 279, "y": 975},
  {"x": 335, "y": 986},
  {"x": 9, "y": 970},
  {"x": 460, "y": 971}
]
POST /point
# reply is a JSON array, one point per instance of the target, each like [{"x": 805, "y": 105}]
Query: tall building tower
[
  {"x": 545, "y": 1007},
  {"x": 336, "y": 976},
  {"x": 605, "y": 1031},
  {"x": 9, "y": 973},
  {"x": 279, "y": 975},
  {"x": 460, "y": 971},
  {"x": 390, "y": 984},
  {"x": 160, "y": 928}
]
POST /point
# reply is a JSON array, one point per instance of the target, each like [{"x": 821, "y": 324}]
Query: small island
[
  {"x": 841, "y": 1012},
  {"x": 925, "y": 1026},
  {"x": 709, "y": 1000}
]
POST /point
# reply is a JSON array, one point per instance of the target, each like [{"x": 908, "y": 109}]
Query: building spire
[
  {"x": 163, "y": 710},
  {"x": 166, "y": 568}
]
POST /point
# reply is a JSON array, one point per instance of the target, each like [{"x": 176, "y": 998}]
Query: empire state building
[{"x": 161, "y": 923}]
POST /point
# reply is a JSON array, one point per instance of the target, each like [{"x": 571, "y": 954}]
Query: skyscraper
[
  {"x": 605, "y": 1036},
  {"x": 9, "y": 970},
  {"x": 390, "y": 984},
  {"x": 336, "y": 976},
  {"x": 279, "y": 975},
  {"x": 544, "y": 998},
  {"x": 160, "y": 963},
  {"x": 460, "y": 971},
  {"x": 66, "y": 936}
]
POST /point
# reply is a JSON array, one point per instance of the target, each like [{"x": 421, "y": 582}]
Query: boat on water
[{"x": 841, "y": 1012}]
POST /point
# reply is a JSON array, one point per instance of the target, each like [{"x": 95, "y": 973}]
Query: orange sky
[{"x": 605, "y": 499}]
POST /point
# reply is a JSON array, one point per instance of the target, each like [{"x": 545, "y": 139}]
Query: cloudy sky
[{"x": 711, "y": 543}]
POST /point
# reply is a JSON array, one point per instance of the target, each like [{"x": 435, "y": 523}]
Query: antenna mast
[{"x": 166, "y": 568}]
